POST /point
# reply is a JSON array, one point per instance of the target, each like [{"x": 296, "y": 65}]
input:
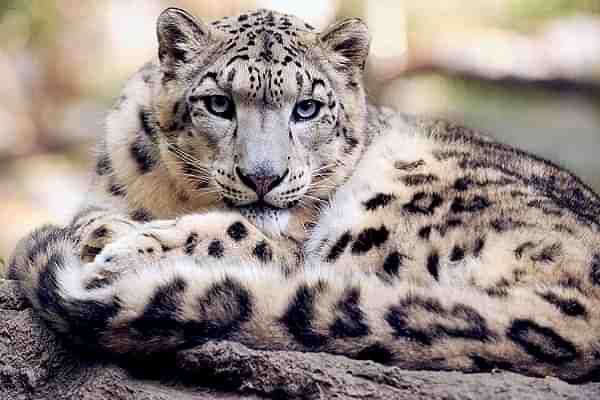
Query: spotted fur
[{"x": 406, "y": 241}]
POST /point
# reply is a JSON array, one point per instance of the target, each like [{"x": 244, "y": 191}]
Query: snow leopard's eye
[
  {"x": 220, "y": 106},
  {"x": 307, "y": 109}
]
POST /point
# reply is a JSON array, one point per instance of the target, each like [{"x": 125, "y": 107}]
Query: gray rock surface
[{"x": 34, "y": 364}]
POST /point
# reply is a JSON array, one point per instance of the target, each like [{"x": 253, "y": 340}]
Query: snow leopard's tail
[
  {"x": 179, "y": 303},
  {"x": 50, "y": 271}
]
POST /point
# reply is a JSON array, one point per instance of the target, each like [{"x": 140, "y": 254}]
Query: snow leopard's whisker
[
  {"x": 312, "y": 207},
  {"x": 199, "y": 178},
  {"x": 204, "y": 193},
  {"x": 321, "y": 184},
  {"x": 187, "y": 164},
  {"x": 202, "y": 172},
  {"x": 314, "y": 199},
  {"x": 187, "y": 157},
  {"x": 324, "y": 167}
]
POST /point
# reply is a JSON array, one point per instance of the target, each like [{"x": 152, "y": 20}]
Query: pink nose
[{"x": 261, "y": 184}]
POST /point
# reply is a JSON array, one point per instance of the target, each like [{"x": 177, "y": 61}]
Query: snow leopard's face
[{"x": 270, "y": 109}]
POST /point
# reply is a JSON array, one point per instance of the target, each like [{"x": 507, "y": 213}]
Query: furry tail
[
  {"x": 178, "y": 303},
  {"x": 51, "y": 273}
]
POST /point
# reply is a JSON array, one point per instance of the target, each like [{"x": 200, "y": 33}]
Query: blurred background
[{"x": 524, "y": 71}]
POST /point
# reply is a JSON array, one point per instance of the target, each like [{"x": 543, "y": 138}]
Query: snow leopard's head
[{"x": 261, "y": 107}]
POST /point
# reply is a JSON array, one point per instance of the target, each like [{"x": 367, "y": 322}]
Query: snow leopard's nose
[{"x": 260, "y": 183}]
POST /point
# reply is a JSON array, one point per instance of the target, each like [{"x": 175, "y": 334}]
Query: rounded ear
[
  {"x": 350, "y": 39},
  {"x": 180, "y": 35}
]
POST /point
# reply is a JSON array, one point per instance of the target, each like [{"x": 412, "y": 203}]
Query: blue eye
[
  {"x": 307, "y": 109},
  {"x": 220, "y": 106}
]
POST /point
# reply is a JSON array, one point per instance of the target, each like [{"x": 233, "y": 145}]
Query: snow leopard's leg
[
  {"x": 212, "y": 235},
  {"x": 178, "y": 302}
]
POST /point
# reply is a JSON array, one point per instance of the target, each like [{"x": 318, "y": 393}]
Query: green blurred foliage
[
  {"x": 36, "y": 19},
  {"x": 541, "y": 9}
]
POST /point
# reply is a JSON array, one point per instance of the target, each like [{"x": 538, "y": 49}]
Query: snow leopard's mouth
[
  {"x": 259, "y": 208},
  {"x": 265, "y": 216}
]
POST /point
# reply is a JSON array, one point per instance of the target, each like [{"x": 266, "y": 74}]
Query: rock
[{"x": 37, "y": 365}]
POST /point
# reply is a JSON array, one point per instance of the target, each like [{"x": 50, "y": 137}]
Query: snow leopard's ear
[
  {"x": 180, "y": 36},
  {"x": 349, "y": 39}
]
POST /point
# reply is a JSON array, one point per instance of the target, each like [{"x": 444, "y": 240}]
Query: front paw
[
  {"x": 95, "y": 236},
  {"x": 135, "y": 248}
]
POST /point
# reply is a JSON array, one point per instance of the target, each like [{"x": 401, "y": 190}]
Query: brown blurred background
[{"x": 524, "y": 71}]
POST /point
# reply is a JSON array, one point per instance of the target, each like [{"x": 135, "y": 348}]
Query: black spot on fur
[
  {"x": 433, "y": 265},
  {"x": 570, "y": 282},
  {"x": 380, "y": 200},
  {"x": 90, "y": 251},
  {"x": 548, "y": 207},
  {"x": 458, "y": 253},
  {"x": 419, "y": 179},
  {"x": 350, "y": 320},
  {"x": 518, "y": 274},
  {"x": 370, "y": 238},
  {"x": 408, "y": 166},
  {"x": 147, "y": 127},
  {"x": 190, "y": 243},
  {"x": 338, "y": 248},
  {"x": 225, "y": 307},
  {"x": 100, "y": 232},
  {"x": 476, "y": 327},
  {"x": 237, "y": 231},
  {"x": 104, "y": 165},
  {"x": 216, "y": 249},
  {"x": 141, "y": 215},
  {"x": 376, "y": 352},
  {"x": 463, "y": 321},
  {"x": 450, "y": 224},
  {"x": 562, "y": 229},
  {"x": 522, "y": 248},
  {"x": 243, "y": 57},
  {"x": 478, "y": 247},
  {"x": 299, "y": 79},
  {"x": 483, "y": 364},
  {"x": 82, "y": 218},
  {"x": 595, "y": 270},
  {"x": 424, "y": 203},
  {"x": 477, "y": 203},
  {"x": 548, "y": 254},
  {"x": 541, "y": 342},
  {"x": 425, "y": 232},
  {"x": 117, "y": 189},
  {"x": 501, "y": 225},
  {"x": 571, "y": 307},
  {"x": 496, "y": 291},
  {"x": 100, "y": 282},
  {"x": 398, "y": 318},
  {"x": 463, "y": 184},
  {"x": 142, "y": 155},
  {"x": 263, "y": 251},
  {"x": 160, "y": 314},
  {"x": 299, "y": 316},
  {"x": 393, "y": 262},
  {"x": 231, "y": 75}
]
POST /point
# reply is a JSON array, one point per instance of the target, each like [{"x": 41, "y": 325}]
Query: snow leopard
[{"x": 246, "y": 190}]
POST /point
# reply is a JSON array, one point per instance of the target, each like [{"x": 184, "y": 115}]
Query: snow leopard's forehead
[
  {"x": 265, "y": 56},
  {"x": 265, "y": 35}
]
